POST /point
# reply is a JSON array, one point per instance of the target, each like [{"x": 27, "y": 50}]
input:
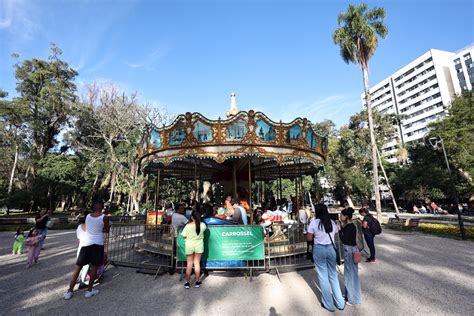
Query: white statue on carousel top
[{"x": 233, "y": 105}]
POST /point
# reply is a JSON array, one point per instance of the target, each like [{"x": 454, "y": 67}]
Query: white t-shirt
[
  {"x": 178, "y": 220},
  {"x": 320, "y": 235},
  {"x": 94, "y": 230}
]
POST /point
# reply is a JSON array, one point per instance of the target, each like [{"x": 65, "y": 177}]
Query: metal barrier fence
[
  {"x": 141, "y": 246},
  {"x": 153, "y": 247},
  {"x": 286, "y": 247}
]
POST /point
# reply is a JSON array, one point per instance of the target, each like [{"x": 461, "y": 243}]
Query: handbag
[
  {"x": 338, "y": 257},
  {"x": 356, "y": 256}
]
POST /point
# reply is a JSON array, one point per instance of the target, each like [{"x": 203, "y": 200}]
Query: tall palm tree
[{"x": 357, "y": 36}]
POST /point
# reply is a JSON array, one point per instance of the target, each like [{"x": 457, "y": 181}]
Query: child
[
  {"x": 34, "y": 246},
  {"x": 193, "y": 233},
  {"x": 18, "y": 243},
  {"x": 81, "y": 237}
]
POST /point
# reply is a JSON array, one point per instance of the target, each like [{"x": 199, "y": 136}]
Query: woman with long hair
[
  {"x": 348, "y": 235},
  {"x": 322, "y": 231},
  {"x": 193, "y": 233}
]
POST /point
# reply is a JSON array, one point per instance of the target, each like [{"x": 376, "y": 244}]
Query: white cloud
[
  {"x": 150, "y": 60},
  {"x": 337, "y": 108},
  {"x": 16, "y": 18},
  {"x": 93, "y": 36}
]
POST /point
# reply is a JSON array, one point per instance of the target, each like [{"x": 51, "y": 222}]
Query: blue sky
[{"x": 278, "y": 56}]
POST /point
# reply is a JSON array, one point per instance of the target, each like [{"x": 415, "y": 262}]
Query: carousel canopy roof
[{"x": 194, "y": 143}]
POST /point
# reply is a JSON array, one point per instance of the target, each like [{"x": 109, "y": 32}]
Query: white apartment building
[
  {"x": 418, "y": 93},
  {"x": 461, "y": 66}
]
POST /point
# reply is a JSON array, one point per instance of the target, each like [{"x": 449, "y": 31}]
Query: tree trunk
[
  {"x": 349, "y": 201},
  {"x": 12, "y": 176},
  {"x": 388, "y": 183},
  {"x": 136, "y": 198},
  {"x": 465, "y": 175},
  {"x": 373, "y": 144},
  {"x": 112, "y": 186},
  {"x": 96, "y": 181}
]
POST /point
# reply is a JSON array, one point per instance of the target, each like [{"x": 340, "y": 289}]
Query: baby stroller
[{"x": 84, "y": 275}]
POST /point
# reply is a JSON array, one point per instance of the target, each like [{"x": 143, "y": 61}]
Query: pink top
[{"x": 33, "y": 241}]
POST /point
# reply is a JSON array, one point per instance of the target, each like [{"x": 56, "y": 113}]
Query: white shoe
[
  {"x": 67, "y": 295},
  {"x": 91, "y": 293}
]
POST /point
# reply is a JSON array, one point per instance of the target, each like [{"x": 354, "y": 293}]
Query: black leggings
[{"x": 369, "y": 239}]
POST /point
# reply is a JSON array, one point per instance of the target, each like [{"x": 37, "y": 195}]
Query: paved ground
[{"x": 415, "y": 274}]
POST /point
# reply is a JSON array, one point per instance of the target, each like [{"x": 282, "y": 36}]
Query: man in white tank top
[{"x": 92, "y": 251}]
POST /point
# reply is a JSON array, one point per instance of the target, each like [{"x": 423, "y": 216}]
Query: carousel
[{"x": 239, "y": 155}]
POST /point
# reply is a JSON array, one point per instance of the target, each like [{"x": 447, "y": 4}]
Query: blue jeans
[
  {"x": 325, "y": 261},
  {"x": 351, "y": 276},
  {"x": 369, "y": 239},
  {"x": 42, "y": 232}
]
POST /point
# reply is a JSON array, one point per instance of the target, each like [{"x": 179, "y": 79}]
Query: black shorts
[{"x": 93, "y": 255}]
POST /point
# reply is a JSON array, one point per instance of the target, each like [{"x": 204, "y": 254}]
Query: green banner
[{"x": 229, "y": 243}]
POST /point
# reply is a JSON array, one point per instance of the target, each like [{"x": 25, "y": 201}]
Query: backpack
[{"x": 375, "y": 227}]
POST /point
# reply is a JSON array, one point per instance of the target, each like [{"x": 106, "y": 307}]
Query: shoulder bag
[
  {"x": 356, "y": 256},
  {"x": 338, "y": 257}
]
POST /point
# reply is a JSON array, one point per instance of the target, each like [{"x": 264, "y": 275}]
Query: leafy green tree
[
  {"x": 59, "y": 178},
  {"x": 46, "y": 95},
  {"x": 357, "y": 36},
  {"x": 348, "y": 165},
  {"x": 424, "y": 178},
  {"x": 325, "y": 128},
  {"x": 109, "y": 126},
  {"x": 288, "y": 187},
  {"x": 457, "y": 132},
  {"x": 14, "y": 143}
]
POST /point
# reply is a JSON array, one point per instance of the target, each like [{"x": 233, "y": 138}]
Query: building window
[
  {"x": 457, "y": 61},
  {"x": 467, "y": 56}
]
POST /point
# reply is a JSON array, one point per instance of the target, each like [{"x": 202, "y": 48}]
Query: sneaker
[
  {"x": 67, "y": 295},
  {"x": 198, "y": 284},
  {"x": 186, "y": 285},
  {"x": 91, "y": 293},
  {"x": 349, "y": 304}
]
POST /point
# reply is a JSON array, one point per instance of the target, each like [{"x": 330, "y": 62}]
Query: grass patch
[{"x": 445, "y": 229}]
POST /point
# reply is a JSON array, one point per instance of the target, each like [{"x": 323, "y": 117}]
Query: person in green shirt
[
  {"x": 193, "y": 234},
  {"x": 18, "y": 243}
]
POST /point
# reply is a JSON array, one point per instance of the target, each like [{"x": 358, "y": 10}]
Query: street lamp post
[{"x": 433, "y": 141}]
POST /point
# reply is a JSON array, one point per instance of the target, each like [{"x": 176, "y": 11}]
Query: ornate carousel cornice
[{"x": 245, "y": 134}]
